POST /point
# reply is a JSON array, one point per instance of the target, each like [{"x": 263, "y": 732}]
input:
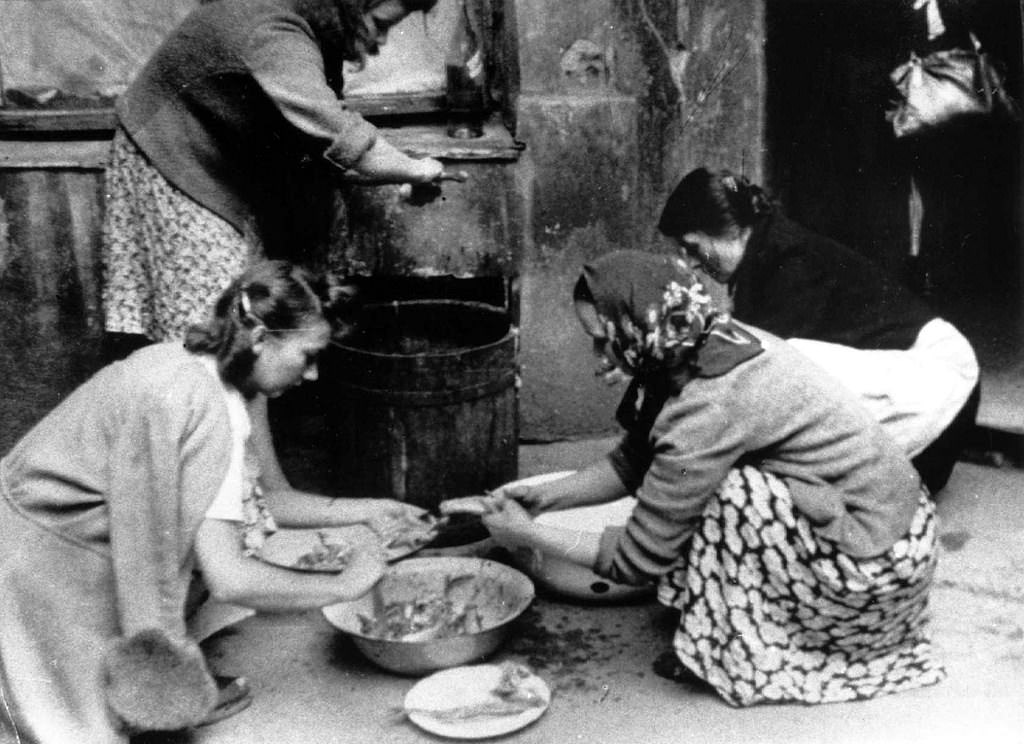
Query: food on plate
[
  {"x": 327, "y": 555},
  {"x": 453, "y": 610},
  {"x": 517, "y": 684},
  {"x": 516, "y": 692},
  {"x": 403, "y": 534},
  {"x": 479, "y": 505},
  {"x": 495, "y": 708}
]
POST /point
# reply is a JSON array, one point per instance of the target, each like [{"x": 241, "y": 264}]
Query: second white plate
[{"x": 463, "y": 686}]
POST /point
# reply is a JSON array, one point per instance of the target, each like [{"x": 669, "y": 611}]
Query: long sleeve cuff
[{"x": 346, "y": 149}]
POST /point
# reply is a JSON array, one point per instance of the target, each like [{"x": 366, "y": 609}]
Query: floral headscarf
[{"x": 662, "y": 324}]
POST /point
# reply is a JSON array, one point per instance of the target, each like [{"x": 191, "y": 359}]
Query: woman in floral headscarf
[{"x": 790, "y": 531}]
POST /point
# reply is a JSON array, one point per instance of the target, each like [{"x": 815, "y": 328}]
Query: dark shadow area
[
  {"x": 994, "y": 448},
  {"x": 837, "y": 167},
  {"x": 47, "y": 352}
]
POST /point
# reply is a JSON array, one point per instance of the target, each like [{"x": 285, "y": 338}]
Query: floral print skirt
[
  {"x": 165, "y": 257},
  {"x": 770, "y": 612}
]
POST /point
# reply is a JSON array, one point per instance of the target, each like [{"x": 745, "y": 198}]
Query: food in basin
[{"x": 434, "y": 613}]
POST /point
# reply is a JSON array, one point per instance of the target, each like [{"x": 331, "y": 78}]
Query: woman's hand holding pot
[{"x": 508, "y": 522}]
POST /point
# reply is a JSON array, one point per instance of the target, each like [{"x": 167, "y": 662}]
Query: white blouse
[{"x": 228, "y": 503}]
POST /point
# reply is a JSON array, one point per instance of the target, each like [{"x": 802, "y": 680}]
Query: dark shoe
[
  {"x": 233, "y": 696},
  {"x": 669, "y": 666},
  {"x": 935, "y": 463}
]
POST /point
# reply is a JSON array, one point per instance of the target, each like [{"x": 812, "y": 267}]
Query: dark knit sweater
[
  {"x": 238, "y": 90},
  {"x": 798, "y": 284}
]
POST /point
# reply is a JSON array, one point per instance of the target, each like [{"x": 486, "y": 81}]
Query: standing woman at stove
[{"x": 240, "y": 98}]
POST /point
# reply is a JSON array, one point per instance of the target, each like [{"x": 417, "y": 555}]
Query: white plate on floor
[{"x": 468, "y": 685}]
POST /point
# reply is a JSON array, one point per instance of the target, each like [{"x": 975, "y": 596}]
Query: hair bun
[
  {"x": 760, "y": 204},
  {"x": 749, "y": 200},
  {"x": 339, "y": 298}
]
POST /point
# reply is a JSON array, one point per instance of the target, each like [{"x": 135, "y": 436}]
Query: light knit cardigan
[
  {"x": 782, "y": 414},
  {"x": 114, "y": 483}
]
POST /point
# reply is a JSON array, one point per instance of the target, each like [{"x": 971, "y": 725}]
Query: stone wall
[{"x": 618, "y": 98}]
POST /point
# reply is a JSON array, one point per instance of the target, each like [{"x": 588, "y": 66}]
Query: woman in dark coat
[{"x": 914, "y": 370}]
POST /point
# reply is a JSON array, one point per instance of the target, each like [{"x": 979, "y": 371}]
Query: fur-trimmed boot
[{"x": 158, "y": 683}]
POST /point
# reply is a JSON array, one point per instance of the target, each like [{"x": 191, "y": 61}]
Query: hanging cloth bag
[{"x": 946, "y": 86}]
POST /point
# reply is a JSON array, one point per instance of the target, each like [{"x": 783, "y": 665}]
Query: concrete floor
[{"x": 312, "y": 686}]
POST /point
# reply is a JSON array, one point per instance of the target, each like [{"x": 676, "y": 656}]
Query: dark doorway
[{"x": 836, "y": 166}]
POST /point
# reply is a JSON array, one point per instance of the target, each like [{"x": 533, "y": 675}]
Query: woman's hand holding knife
[{"x": 423, "y": 193}]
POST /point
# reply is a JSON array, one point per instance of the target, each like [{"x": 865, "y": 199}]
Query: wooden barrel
[{"x": 425, "y": 401}]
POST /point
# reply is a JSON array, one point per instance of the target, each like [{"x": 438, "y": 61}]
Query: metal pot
[
  {"x": 506, "y": 591},
  {"x": 569, "y": 579},
  {"x": 564, "y": 577}
]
